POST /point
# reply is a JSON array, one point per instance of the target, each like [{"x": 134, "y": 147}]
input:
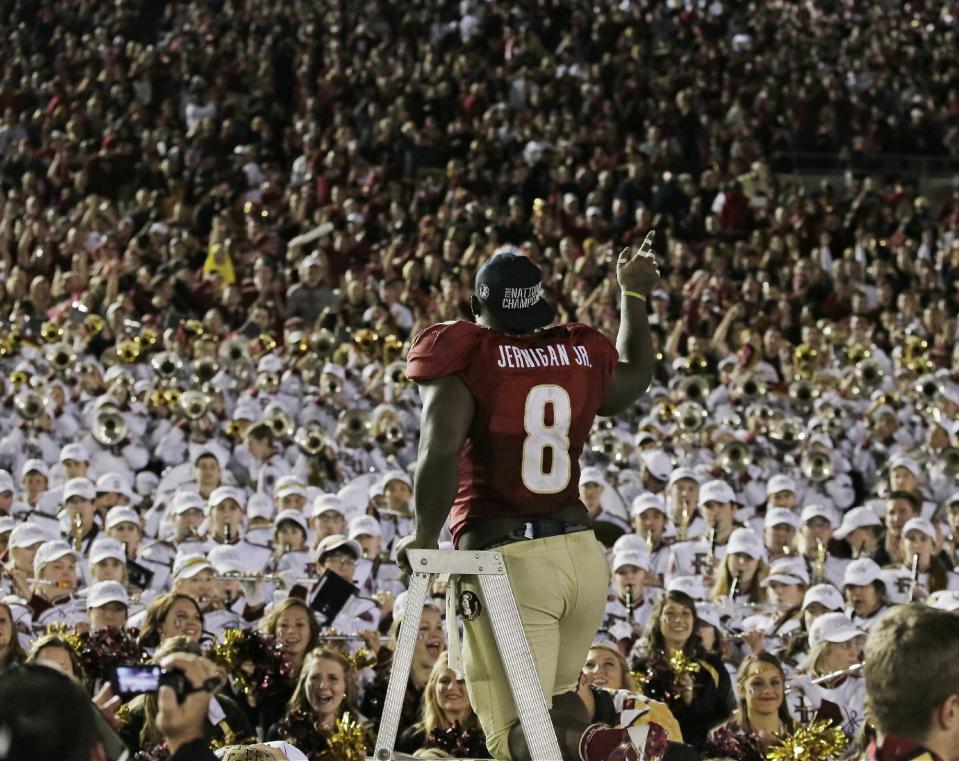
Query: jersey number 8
[{"x": 541, "y": 437}]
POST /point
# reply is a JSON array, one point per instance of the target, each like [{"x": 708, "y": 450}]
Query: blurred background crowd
[{"x": 222, "y": 223}]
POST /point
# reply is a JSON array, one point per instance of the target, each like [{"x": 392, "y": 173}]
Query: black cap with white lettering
[{"x": 510, "y": 286}]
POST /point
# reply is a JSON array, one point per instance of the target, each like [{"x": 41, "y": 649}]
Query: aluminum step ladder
[{"x": 497, "y": 596}]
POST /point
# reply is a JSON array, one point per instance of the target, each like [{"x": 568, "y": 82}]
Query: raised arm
[{"x": 638, "y": 274}]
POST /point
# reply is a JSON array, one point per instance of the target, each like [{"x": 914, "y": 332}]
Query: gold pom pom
[
  {"x": 362, "y": 658},
  {"x": 817, "y": 741},
  {"x": 680, "y": 664},
  {"x": 347, "y": 743}
]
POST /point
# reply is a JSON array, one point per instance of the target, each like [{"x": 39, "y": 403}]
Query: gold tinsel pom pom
[
  {"x": 362, "y": 658},
  {"x": 680, "y": 664},
  {"x": 347, "y": 743},
  {"x": 816, "y": 741}
]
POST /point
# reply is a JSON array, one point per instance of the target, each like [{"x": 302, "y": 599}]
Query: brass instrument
[
  {"x": 323, "y": 344},
  {"x": 194, "y": 328},
  {"x": 50, "y": 332},
  {"x": 750, "y": 388},
  {"x": 235, "y": 351},
  {"x": 148, "y": 338},
  {"x": 94, "y": 323},
  {"x": 166, "y": 365},
  {"x": 333, "y": 385},
  {"x": 128, "y": 351},
  {"x": 694, "y": 389},
  {"x": 60, "y": 357},
  {"x": 48, "y": 583},
  {"x": 913, "y": 358},
  {"x": 610, "y": 446},
  {"x": 649, "y": 542},
  {"x": 280, "y": 424},
  {"x": 816, "y": 465},
  {"x": 267, "y": 343},
  {"x": 682, "y": 530},
  {"x": 267, "y": 381},
  {"x": 735, "y": 457},
  {"x": 950, "y": 461},
  {"x": 311, "y": 439},
  {"x": 78, "y": 532},
  {"x": 109, "y": 426},
  {"x": 393, "y": 439},
  {"x": 203, "y": 370},
  {"x": 694, "y": 364},
  {"x": 353, "y": 428},
  {"x": 29, "y": 404},
  {"x": 803, "y": 393},
  {"x": 629, "y": 601},
  {"x": 870, "y": 374},
  {"x": 804, "y": 361},
  {"x": 691, "y": 416},
  {"x": 395, "y": 374},
  {"x": 365, "y": 340},
  {"x": 787, "y": 434},
  {"x": 19, "y": 378},
  {"x": 819, "y": 565},
  {"x": 664, "y": 413},
  {"x": 193, "y": 404},
  {"x": 392, "y": 349}
]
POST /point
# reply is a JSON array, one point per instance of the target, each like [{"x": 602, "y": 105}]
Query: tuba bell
[
  {"x": 323, "y": 344},
  {"x": 816, "y": 465},
  {"x": 203, "y": 370},
  {"x": 311, "y": 439},
  {"x": 353, "y": 428},
  {"x": 691, "y": 416},
  {"x": 395, "y": 374},
  {"x": 267, "y": 381},
  {"x": 194, "y": 404},
  {"x": 751, "y": 388},
  {"x": 694, "y": 389},
  {"x": 870, "y": 374},
  {"x": 664, "y": 413},
  {"x": 735, "y": 457},
  {"x": 787, "y": 434},
  {"x": 60, "y": 357},
  {"x": 280, "y": 424},
  {"x": 128, "y": 351},
  {"x": 804, "y": 393},
  {"x": 166, "y": 365},
  {"x": 50, "y": 332},
  {"x": 29, "y": 404},
  {"x": 365, "y": 340},
  {"x": 109, "y": 426}
]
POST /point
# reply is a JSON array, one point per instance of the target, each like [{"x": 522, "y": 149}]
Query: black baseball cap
[{"x": 510, "y": 286}]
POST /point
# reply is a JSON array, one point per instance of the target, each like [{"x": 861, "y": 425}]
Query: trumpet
[
  {"x": 819, "y": 565},
  {"x": 664, "y": 413},
  {"x": 93, "y": 323},
  {"x": 735, "y": 457},
  {"x": 29, "y": 404},
  {"x": 109, "y": 426},
  {"x": 816, "y": 465},
  {"x": 682, "y": 530},
  {"x": 691, "y": 416}
]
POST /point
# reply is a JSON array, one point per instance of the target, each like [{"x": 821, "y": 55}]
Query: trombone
[
  {"x": 787, "y": 434},
  {"x": 109, "y": 426},
  {"x": 816, "y": 465},
  {"x": 735, "y": 457},
  {"x": 311, "y": 439}
]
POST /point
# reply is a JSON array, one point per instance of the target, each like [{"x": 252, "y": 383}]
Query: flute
[
  {"x": 914, "y": 583},
  {"x": 351, "y": 638},
  {"x": 48, "y": 583},
  {"x": 734, "y": 586},
  {"x": 261, "y": 577}
]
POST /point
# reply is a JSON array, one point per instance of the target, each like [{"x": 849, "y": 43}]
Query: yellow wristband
[{"x": 635, "y": 295}]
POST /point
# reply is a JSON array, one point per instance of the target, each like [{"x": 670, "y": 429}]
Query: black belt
[{"x": 537, "y": 528}]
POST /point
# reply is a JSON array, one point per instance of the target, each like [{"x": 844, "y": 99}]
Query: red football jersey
[{"x": 536, "y": 397}]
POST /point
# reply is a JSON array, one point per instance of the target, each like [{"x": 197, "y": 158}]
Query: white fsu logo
[{"x": 484, "y": 291}]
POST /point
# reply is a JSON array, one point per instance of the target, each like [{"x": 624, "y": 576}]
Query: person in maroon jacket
[{"x": 508, "y": 403}]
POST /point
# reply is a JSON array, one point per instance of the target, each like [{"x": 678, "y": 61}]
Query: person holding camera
[{"x": 46, "y": 716}]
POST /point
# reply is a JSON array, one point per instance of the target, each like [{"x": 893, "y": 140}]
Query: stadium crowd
[{"x": 223, "y": 223}]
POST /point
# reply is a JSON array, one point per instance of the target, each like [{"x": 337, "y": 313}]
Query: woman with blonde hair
[
  {"x": 448, "y": 721},
  {"x": 325, "y": 692}
]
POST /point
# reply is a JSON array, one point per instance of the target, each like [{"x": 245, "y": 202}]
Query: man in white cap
[
  {"x": 699, "y": 557},
  {"x": 327, "y": 517},
  {"x": 627, "y": 606},
  {"x": 260, "y": 514},
  {"x": 338, "y": 555},
  {"x": 150, "y": 571},
  {"x": 861, "y": 529},
  {"x": 107, "y": 606},
  {"x": 56, "y": 569},
  {"x": 78, "y": 520},
  {"x": 906, "y": 475},
  {"x": 35, "y": 478},
  {"x": 655, "y": 469},
  {"x": 113, "y": 488},
  {"x": 780, "y": 527},
  {"x": 781, "y": 492},
  {"x": 225, "y": 525},
  {"x": 682, "y": 498},
  {"x": 22, "y": 545},
  {"x": 648, "y": 518},
  {"x": 817, "y": 522},
  {"x": 74, "y": 463}
]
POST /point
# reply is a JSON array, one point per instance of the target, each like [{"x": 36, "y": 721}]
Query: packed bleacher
[{"x": 223, "y": 223}]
